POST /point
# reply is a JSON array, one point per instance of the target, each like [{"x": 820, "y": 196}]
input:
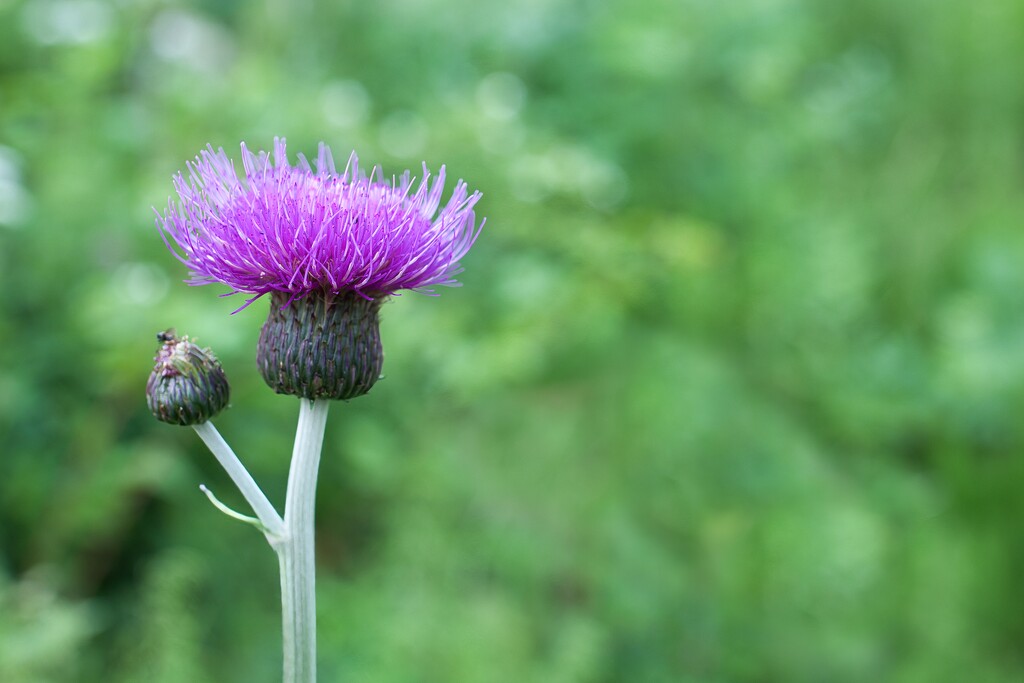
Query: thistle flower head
[
  {"x": 306, "y": 228},
  {"x": 328, "y": 247}
]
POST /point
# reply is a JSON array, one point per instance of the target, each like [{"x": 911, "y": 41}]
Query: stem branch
[
  {"x": 265, "y": 512},
  {"x": 231, "y": 513}
]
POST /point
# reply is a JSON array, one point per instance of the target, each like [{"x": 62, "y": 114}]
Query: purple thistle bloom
[{"x": 295, "y": 230}]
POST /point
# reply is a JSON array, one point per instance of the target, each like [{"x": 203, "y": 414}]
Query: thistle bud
[
  {"x": 322, "y": 345},
  {"x": 187, "y": 385}
]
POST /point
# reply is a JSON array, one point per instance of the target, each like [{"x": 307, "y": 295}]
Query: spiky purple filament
[{"x": 291, "y": 229}]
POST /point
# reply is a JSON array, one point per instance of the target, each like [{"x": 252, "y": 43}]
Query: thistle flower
[
  {"x": 187, "y": 385},
  {"x": 328, "y": 247}
]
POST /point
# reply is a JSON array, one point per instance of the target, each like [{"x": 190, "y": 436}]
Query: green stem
[
  {"x": 296, "y": 549},
  {"x": 266, "y": 513}
]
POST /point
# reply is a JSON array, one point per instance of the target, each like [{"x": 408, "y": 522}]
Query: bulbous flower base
[{"x": 322, "y": 346}]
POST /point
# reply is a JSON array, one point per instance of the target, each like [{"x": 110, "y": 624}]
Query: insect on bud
[{"x": 187, "y": 385}]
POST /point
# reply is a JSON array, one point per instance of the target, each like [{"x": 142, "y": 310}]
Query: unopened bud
[{"x": 187, "y": 385}]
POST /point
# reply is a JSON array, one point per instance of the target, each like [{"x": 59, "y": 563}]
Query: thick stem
[
  {"x": 296, "y": 550},
  {"x": 265, "y": 512}
]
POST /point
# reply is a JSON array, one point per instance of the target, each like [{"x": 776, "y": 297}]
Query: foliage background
[{"x": 732, "y": 393}]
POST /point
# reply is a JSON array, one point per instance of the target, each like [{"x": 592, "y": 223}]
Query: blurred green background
[{"x": 732, "y": 393}]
